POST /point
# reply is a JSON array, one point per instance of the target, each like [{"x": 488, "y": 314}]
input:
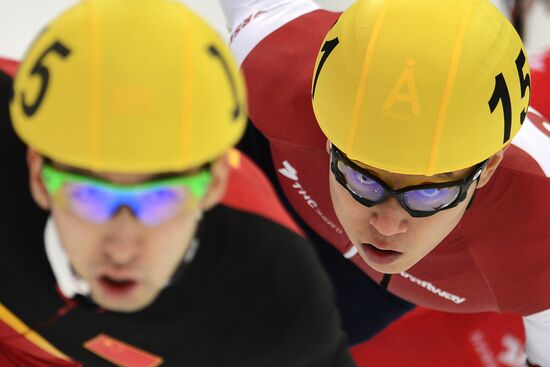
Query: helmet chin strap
[
  {"x": 69, "y": 283},
  {"x": 385, "y": 282},
  {"x": 190, "y": 252},
  {"x": 471, "y": 202}
]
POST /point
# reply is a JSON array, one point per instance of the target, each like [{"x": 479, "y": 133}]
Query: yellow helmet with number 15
[
  {"x": 421, "y": 87},
  {"x": 129, "y": 86}
]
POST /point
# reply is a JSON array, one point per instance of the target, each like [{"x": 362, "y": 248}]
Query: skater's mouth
[{"x": 378, "y": 255}]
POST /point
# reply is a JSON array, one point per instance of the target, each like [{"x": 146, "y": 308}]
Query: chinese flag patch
[{"x": 120, "y": 353}]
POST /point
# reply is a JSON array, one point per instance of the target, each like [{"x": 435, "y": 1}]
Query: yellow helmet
[
  {"x": 129, "y": 86},
  {"x": 421, "y": 87}
]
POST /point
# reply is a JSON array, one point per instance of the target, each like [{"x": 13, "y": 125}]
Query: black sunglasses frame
[{"x": 463, "y": 184}]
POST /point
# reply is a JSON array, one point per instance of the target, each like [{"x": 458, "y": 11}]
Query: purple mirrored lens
[
  {"x": 360, "y": 184},
  {"x": 90, "y": 202},
  {"x": 431, "y": 199},
  {"x": 154, "y": 206},
  {"x": 151, "y": 206}
]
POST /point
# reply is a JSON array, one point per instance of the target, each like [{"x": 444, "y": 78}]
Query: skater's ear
[{"x": 38, "y": 190}]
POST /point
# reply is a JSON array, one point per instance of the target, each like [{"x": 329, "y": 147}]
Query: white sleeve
[
  {"x": 250, "y": 21},
  {"x": 537, "y": 335},
  {"x": 532, "y": 139}
]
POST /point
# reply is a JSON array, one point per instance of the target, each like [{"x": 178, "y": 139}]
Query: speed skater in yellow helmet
[
  {"x": 129, "y": 86},
  {"x": 436, "y": 92}
]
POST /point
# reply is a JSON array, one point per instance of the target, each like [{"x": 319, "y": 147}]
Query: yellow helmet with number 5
[
  {"x": 129, "y": 86},
  {"x": 421, "y": 87}
]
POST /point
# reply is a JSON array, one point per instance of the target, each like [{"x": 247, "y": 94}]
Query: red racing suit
[
  {"x": 496, "y": 259},
  {"x": 540, "y": 73}
]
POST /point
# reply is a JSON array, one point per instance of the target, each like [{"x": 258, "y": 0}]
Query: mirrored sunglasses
[
  {"x": 418, "y": 200},
  {"x": 97, "y": 201}
]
